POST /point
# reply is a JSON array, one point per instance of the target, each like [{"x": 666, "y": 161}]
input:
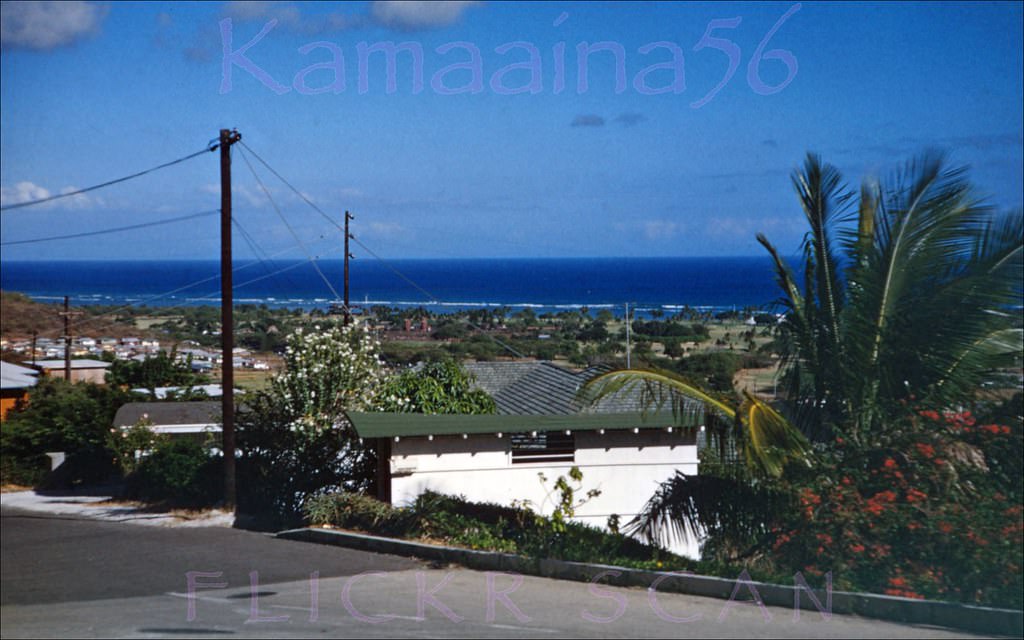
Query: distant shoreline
[{"x": 546, "y": 285}]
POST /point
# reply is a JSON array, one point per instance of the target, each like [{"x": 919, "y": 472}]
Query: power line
[
  {"x": 210, "y": 148},
  {"x": 261, "y": 255},
  {"x": 290, "y": 229},
  {"x": 113, "y": 230},
  {"x": 116, "y": 310},
  {"x": 274, "y": 273},
  {"x": 430, "y": 297}
]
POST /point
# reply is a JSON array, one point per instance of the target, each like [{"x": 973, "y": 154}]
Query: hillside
[{"x": 20, "y": 315}]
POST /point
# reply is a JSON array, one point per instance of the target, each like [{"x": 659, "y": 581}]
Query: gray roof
[
  {"x": 14, "y": 377},
  {"x": 168, "y": 413},
  {"x": 81, "y": 363},
  {"x": 543, "y": 388}
]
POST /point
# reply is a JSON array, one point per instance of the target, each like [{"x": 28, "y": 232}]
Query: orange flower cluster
[
  {"x": 904, "y": 593},
  {"x": 898, "y": 589},
  {"x": 809, "y": 500},
  {"x": 995, "y": 429},
  {"x": 915, "y": 495}
]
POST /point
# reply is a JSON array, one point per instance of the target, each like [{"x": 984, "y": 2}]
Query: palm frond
[
  {"x": 766, "y": 438},
  {"x": 919, "y": 292},
  {"x": 724, "y": 507},
  {"x": 773, "y": 441},
  {"x": 658, "y": 388},
  {"x": 824, "y": 199}
]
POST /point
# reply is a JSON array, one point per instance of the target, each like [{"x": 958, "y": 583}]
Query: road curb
[{"x": 1007, "y": 622}]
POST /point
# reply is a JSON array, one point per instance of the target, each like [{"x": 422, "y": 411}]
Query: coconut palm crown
[{"x": 910, "y": 298}]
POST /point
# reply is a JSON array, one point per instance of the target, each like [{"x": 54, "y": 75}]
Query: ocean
[{"x": 544, "y": 284}]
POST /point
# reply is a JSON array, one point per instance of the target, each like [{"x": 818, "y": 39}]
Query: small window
[{"x": 546, "y": 446}]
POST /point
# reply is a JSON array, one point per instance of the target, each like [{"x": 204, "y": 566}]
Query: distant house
[
  {"x": 15, "y": 383},
  {"x": 82, "y": 370},
  {"x": 540, "y": 427},
  {"x": 212, "y": 390},
  {"x": 173, "y": 418}
]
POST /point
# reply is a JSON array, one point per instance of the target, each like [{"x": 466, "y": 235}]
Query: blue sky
[{"x": 92, "y": 92}]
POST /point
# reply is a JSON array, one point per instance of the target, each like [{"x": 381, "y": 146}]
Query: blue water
[{"x": 544, "y": 284}]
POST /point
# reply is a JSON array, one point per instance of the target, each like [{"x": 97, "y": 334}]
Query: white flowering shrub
[
  {"x": 327, "y": 371},
  {"x": 295, "y": 440}
]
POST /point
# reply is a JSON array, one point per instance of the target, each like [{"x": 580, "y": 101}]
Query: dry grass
[{"x": 20, "y": 315}]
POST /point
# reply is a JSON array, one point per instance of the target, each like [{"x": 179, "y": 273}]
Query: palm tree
[
  {"x": 908, "y": 298},
  {"x": 923, "y": 313}
]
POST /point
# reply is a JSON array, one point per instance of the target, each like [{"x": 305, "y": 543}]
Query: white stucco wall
[{"x": 626, "y": 467}]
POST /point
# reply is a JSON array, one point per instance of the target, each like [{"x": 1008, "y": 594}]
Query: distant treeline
[{"x": 660, "y": 329}]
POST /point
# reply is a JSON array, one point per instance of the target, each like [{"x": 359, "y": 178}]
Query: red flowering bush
[{"x": 932, "y": 512}]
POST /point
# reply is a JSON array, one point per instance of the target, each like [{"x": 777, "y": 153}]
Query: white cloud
[
  {"x": 79, "y": 201},
  {"x": 415, "y": 14},
  {"x": 253, "y": 195},
  {"x": 28, "y": 191},
  {"x": 290, "y": 17},
  {"x": 386, "y": 229},
  {"x": 403, "y": 15},
  {"x": 661, "y": 229},
  {"x": 285, "y": 13},
  {"x": 744, "y": 227},
  {"x": 22, "y": 192},
  {"x": 47, "y": 25}
]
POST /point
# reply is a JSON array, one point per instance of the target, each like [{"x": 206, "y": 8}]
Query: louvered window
[{"x": 546, "y": 446}]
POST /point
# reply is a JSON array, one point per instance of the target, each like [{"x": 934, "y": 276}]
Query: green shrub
[
  {"x": 487, "y": 526},
  {"x": 179, "y": 472},
  {"x": 26, "y": 470},
  {"x": 60, "y": 416},
  {"x": 127, "y": 445},
  {"x": 357, "y": 511}
]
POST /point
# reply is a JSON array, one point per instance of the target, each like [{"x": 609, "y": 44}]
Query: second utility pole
[
  {"x": 227, "y": 320},
  {"x": 348, "y": 311},
  {"x": 67, "y": 313}
]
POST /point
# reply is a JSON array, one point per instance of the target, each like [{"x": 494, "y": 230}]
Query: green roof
[{"x": 387, "y": 425}]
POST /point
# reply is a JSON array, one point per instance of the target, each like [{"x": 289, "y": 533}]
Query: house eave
[{"x": 390, "y": 425}]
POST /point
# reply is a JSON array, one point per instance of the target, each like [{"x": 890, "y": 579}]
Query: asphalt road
[
  {"x": 50, "y": 559},
  {"x": 67, "y": 577}
]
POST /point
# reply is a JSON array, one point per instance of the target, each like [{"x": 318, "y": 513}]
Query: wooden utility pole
[
  {"x": 348, "y": 256},
  {"x": 35, "y": 334},
  {"x": 227, "y": 320},
  {"x": 67, "y": 313}
]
